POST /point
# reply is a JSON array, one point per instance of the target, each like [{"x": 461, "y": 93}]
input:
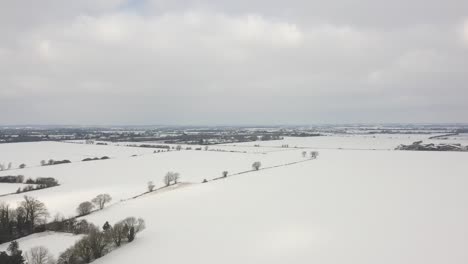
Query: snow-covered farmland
[
  {"x": 32, "y": 153},
  {"x": 344, "y": 207},
  {"x": 359, "y": 142},
  {"x": 359, "y": 202},
  {"x": 125, "y": 177}
]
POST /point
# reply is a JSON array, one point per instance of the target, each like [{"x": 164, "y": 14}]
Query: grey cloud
[{"x": 156, "y": 62}]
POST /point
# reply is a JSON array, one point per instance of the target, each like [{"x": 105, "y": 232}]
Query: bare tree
[
  {"x": 69, "y": 256},
  {"x": 97, "y": 242},
  {"x": 256, "y": 165},
  {"x": 175, "y": 177},
  {"x": 22, "y": 166},
  {"x": 171, "y": 177},
  {"x": 43, "y": 162},
  {"x": 179, "y": 147},
  {"x": 35, "y": 211},
  {"x": 117, "y": 233},
  {"x": 101, "y": 200},
  {"x": 150, "y": 186},
  {"x": 138, "y": 224},
  {"x": 10, "y": 165},
  {"x": 84, "y": 208},
  {"x": 304, "y": 154},
  {"x": 225, "y": 174},
  {"x": 206, "y": 148},
  {"x": 167, "y": 179},
  {"x": 83, "y": 250},
  {"x": 314, "y": 154},
  {"x": 39, "y": 255}
]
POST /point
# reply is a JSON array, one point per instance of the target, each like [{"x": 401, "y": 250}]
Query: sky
[{"x": 196, "y": 62}]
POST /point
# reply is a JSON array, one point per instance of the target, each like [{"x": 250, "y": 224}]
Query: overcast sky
[{"x": 233, "y": 62}]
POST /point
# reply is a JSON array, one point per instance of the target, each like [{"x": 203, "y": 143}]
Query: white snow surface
[
  {"x": 351, "y": 206},
  {"x": 31, "y": 153},
  {"x": 126, "y": 177},
  {"x": 55, "y": 242}
]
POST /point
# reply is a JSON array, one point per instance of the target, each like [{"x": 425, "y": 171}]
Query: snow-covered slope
[
  {"x": 345, "y": 207},
  {"x": 128, "y": 176}
]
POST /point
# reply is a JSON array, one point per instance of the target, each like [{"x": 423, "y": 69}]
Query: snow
[
  {"x": 31, "y": 153},
  {"x": 345, "y": 207},
  {"x": 353, "y": 204},
  {"x": 126, "y": 177},
  {"x": 371, "y": 142},
  {"x": 55, "y": 242}
]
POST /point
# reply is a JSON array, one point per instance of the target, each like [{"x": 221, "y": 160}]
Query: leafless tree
[
  {"x": 256, "y": 165},
  {"x": 150, "y": 186},
  {"x": 175, "y": 177},
  {"x": 10, "y": 165},
  {"x": 22, "y": 166},
  {"x": 35, "y": 211},
  {"x": 179, "y": 147},
  {"x": 167, "y": 179},
  {"x": 171, "y": 177},
  {"x": 69, "y": 256},
  {"x": 19, "y": 179},
  {"x": 225, "y": 174},
  {"x": 117, "y": 233},
  {"x": 84, "y": 208},
  {"x": 83, "y": 250},
  {"x": 314, "y": 154},
  {"x": 97, "y": 242},
  {"x": 39, "y": 255},
  {"x": 101, "y": 200},
  {"x": 304, "y": 154},
  {"x": 43, "y": 162},
  {"x": 2, "y": 167}
]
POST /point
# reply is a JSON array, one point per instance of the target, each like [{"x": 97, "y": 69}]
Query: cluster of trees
[
  {"x": 13, "y": 255},
  {"x": 99, "y": 201},
  {"x": 98, "y": 243},
  {"x": 26, "y": 219},
  {"x": 95, "y": 244},
  {"x": 39, "y": 183},
  {"x": 171, "y": 178},
  {"x": 12, "y": 179},
  {"x": 96, "y": 158},
  {"x": 53, "y": 162}
]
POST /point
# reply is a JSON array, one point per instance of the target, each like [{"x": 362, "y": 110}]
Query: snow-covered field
[
  {"x": 344, "y": 207},
  {"x": 32, "y": 153},
  {"x": 359, "y": 142},
  {"x": 126, "y": 176},
  {"x": 359, "y": 202}
]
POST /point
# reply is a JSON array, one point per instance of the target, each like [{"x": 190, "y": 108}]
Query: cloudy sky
[{"x": 233, "y": 61}]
